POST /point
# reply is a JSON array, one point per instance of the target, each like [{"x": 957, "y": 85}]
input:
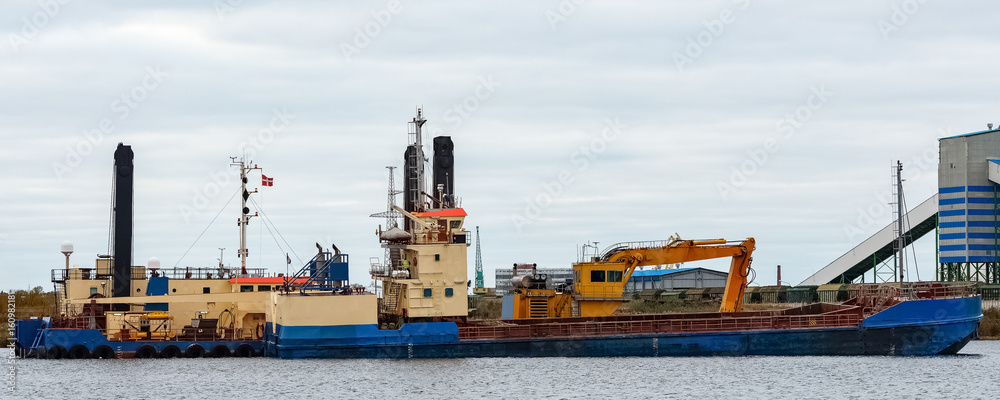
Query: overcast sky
[{"x": 601, "y": 121}]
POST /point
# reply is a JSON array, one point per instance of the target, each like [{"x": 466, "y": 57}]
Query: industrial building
[
  {"x": 662, "y": 279},
  {"x": 963, "y": 212},
  {"x": 675, "y": 279},
  {"x": 968, "y": 177}
]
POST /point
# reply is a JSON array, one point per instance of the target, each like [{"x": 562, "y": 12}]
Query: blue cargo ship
[
  {"x": 420, "y": 305},
  {"x": 937, "y": 325}
]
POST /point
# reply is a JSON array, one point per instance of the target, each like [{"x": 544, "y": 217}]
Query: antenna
[
  {"x": 245, "y": 211},
  {"x": 901, "y": 243},
  {"x": 414, "y": 185},
  {"x": 390, "y": 214}
]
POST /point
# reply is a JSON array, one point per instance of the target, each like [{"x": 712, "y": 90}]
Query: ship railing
[
  {"x": 617, "y": 247},
  {"x": 320, "y": 274},
  {"x": 203, "y": 273},
  {"x": 440, "y": 236},
  {"x": 670, "y": 326},
  {"x": 878, "y": 297},
  {"x": 916, "y": 290},
  {"x": 61, "y": 275}
]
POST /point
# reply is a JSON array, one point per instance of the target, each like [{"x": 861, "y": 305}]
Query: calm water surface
[{"x": 969, "y": 375}]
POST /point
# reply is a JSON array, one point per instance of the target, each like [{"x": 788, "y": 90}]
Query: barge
[{"x": 419, "y": 307}]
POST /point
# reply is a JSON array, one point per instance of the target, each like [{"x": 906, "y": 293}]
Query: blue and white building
[{"x": 968, "y": 193}]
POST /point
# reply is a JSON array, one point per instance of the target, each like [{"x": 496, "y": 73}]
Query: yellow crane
[{"x": 598, "y": 284}]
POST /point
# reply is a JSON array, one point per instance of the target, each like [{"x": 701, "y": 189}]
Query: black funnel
[{"x": 122, "y": 222}]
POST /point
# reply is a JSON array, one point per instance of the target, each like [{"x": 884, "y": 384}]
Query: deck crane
[{"x": 598, "y": 284}]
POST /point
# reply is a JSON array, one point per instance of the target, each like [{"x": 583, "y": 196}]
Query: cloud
[{"x": 686, "y": 129}]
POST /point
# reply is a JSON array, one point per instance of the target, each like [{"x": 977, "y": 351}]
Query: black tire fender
[
  {"x": 104, "y": 352},
  {"x": 146, "y": 351},
  {"x": 194, "y": 351},
  {"x": 78, "y": 352}
]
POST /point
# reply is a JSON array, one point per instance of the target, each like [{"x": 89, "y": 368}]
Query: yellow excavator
[{"x": 598, "y": 284}]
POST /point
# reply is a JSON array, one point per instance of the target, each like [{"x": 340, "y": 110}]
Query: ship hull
[
  {"x": 899, "y": 341},
  {"x": 911, "y": 328}
]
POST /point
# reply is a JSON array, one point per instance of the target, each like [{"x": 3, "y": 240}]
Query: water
[{"x": 968, "y": 375}]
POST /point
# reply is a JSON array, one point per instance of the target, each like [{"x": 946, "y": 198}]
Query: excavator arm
[
  {"x": 598, "y": 284},
  {"x": 679, "y": 251}
]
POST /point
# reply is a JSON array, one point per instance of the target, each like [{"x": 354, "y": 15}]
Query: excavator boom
[
  {"x": 598, "y": 285},
  {"x": 679, "y": 251}
]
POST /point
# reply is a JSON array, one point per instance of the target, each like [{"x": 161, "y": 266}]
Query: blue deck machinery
[{"x": 326, "y": 272}]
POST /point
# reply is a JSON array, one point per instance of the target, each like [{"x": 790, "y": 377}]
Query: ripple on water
[{"x": 960, "y": 376}]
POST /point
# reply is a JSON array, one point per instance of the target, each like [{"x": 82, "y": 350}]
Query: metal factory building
[
  {"x": 675, "y": 279},
  {"x": 968, "y": 179}
]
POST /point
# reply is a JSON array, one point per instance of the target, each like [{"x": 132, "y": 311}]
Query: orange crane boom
[
  {"x": 598, "y": 285},
  {"x": 679, "y": 251}
]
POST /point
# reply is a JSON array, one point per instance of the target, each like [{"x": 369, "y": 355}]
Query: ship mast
[
  {"x": 245, "y": 211},
  {"x": 414, "y": 169}
]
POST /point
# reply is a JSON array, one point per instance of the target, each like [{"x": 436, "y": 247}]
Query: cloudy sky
[{"x": 573, "y": 121}]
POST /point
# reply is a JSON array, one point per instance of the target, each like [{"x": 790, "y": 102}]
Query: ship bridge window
[
  {"x": 263, "y": 288},
  {"x": 246, "y": 288},
  {"x": 597, "y": 276},
  {"x": 614, "y": 276},
  {"x": 455, "y": 223}
]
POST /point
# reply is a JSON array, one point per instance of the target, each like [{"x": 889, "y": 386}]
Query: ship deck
[{"x": 821, "y": 315}]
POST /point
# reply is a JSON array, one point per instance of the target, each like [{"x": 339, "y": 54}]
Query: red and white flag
[{"x": 266, "y": 181}]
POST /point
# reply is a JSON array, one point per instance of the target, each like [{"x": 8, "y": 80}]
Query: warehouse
[{"x": 675, "y": 279}]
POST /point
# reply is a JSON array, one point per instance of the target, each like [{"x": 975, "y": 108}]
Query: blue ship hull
[
  {"x": 911, "y": 328},
  {"x": 32, "y": 336}
]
